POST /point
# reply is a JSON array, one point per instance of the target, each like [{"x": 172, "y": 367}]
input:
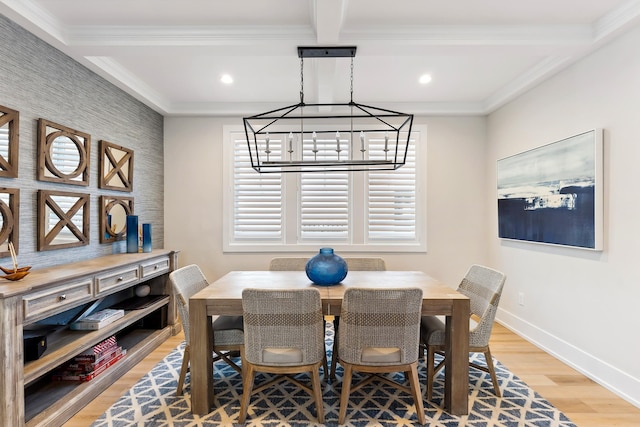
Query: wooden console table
[{"x": 54, "y": 295}]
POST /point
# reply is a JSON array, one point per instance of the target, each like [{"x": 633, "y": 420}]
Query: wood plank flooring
[{"x": 586, "y": 403}]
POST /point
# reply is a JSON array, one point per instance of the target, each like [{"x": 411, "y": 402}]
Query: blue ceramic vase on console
[
  {"x": 326, "y": 268},
  {"x": 132, "y": 234}
]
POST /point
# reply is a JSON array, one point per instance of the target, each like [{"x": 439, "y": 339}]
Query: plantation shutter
[
  {"x": 324, "y": 196},
  {"x": 392, "y": 197},
  {"x": 4, "y": 140},
  {"x": 257, "y": 213}
]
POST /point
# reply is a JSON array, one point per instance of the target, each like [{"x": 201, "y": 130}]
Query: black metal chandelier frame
[{"x": 299, "y": 125}]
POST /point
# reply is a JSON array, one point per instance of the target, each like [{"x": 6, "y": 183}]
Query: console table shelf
[{"x": 28, "y": 395}]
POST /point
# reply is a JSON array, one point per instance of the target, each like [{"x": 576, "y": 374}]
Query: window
[{"x": 349, "y": 211}]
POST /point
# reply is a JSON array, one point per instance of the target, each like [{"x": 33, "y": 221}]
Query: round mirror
[
  {"x": 117, "y": 216},
  {"x": 6, "y": 221},
  {"x": 65, "y": 155}
]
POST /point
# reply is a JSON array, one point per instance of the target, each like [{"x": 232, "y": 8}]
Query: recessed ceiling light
[
  {"x": 424, "y": 79},
  {"x": 226, "y": 79}
]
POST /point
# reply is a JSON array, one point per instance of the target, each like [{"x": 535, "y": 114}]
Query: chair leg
[
  {"x": 344, "y": 396},
  {"x": 242, "y": 363},
  {"x": 492, "y": 372},
  {"x": 430, "y": 371},
  {"x": 317, "y": 393},
  {"x": 183, "y": 370},
  {"x": 325, "y": 367},
  {"x": 334, "y": 354},
  {"x": 414, "y": 381},
  {"x": 247, "y": 387}
]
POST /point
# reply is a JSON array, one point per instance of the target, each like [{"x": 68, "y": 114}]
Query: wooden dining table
[{"x": 224, "y": 297}]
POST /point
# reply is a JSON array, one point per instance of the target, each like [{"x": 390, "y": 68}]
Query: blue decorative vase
[
  {"x": 326, "y": 268},
  {"x": 146, "y": 237},
  {"x": 132, "y": 234}
]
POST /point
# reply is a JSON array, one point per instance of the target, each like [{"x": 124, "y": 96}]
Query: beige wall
[
  {"x": 456, "y": 205},
  {"x": 580, "y": 305}
]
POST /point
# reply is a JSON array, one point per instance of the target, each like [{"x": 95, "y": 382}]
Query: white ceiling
[{"x": 170, "y": 54}]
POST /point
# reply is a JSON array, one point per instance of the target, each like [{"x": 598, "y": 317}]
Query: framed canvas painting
[{"x": 553, "y": 194}]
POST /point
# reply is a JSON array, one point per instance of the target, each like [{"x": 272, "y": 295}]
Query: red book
[
  {"x": 69, "y": 376},
  {"x": 80, "y": 365},
  {"x": 98, "y": 351}
]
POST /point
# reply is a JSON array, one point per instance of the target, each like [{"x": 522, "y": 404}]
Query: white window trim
[{"x": 289, "y": 242}]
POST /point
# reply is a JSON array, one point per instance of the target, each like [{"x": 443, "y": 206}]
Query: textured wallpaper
[{"x": 41, "y": 82}]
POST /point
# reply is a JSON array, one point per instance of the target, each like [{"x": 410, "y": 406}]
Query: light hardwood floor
[{"x": 586, "y": 403}]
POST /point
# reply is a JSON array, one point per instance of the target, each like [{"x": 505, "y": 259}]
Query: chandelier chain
[
  {"x": 351, "y": 93},
  {"x": 302, "y": 80}
]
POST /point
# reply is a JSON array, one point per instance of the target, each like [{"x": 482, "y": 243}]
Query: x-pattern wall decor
[
  {"x": 63, "y": 154},
  {"x": 63, "y": 219},
  {"x": 9, "y": 215},
  {"x": 116, "y": 167},
  {"x": 9, "y": 129}
]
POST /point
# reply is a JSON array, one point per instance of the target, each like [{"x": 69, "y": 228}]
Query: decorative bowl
[{"x": 17, "y": 274}]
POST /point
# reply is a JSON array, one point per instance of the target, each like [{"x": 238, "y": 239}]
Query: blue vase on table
[{"x": 326, "y": 268}]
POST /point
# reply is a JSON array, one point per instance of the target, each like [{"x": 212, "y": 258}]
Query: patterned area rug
[{"x": 152, "y": 402}]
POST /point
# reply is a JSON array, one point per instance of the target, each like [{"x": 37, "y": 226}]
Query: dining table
[{"x": 224, "y": 297}]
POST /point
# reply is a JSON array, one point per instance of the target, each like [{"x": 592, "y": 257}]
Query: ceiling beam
[{"x": 328, "y": 16}]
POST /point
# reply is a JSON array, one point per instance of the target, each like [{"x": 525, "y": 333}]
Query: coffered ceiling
[{"x": 171, "y": 54}]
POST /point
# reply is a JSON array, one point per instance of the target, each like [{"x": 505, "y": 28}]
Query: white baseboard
[{"x": 608, "y": 376}]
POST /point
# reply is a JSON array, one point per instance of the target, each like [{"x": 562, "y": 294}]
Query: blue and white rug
[{"x": 152, "y": 402}]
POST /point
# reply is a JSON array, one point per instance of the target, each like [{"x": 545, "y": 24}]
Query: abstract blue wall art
[{"x": 553, "y": 194}]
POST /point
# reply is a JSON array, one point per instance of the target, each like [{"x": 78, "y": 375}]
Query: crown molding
[
  {"x": 113, "y": 72},
  {"x": 617, "y": 20},
  {"x": 224, "y": 109},
  {"x": 35, "y": 19}
]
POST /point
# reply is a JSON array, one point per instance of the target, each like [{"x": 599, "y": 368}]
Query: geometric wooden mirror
[
  {"x": 9, "y": 129},
  {"x": 113, "y": 217},
  {"x": 9, "y": 206},
  {"x": 63, "y": 220},
  {"x": 63, "y": 154},
  {"x": 116, "y": 167}
]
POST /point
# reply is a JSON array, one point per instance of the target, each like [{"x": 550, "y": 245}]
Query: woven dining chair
[
  {"x": 288, "y": 264},
  {"x": 353, "y": 264},
  {"x": 380, "y": 333},
  {"x": 483, "y": 286},
  {"x": 228, "y": 337},
  {"x": 284, "y": 335}
]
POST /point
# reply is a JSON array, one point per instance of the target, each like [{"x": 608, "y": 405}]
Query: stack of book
[
  {"x": 97, "y": 320},
  {"x": 88, "y": 365}
]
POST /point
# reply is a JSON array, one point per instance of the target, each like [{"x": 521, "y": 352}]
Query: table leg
[
  {"x": 456, "y": 398},
  {"x": 201, "y": 362}
]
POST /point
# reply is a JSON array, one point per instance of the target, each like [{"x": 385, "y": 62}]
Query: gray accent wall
[{"x": 39, "y": 81}]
